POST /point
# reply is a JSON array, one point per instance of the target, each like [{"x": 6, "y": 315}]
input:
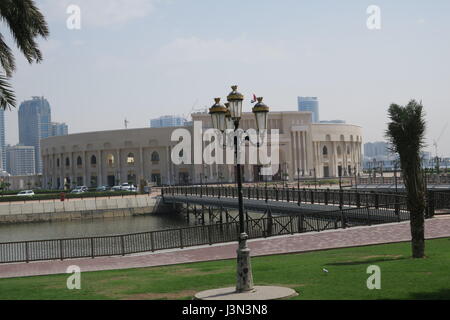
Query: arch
[
  {"x": 57, "y": 162},
  {"x": 327, "y": 137},
  {"x": 67, "y": 162},
  {"x": 155, "y": 156},
  {"x": 110, "y": 160},
  {"x": 325, "y": 151},
  {"x": 342, "y": 137},
  {"x": 93, "y": 160},
  {"x": 79, "y": 161},
  {"x": 130, "y": 159}
]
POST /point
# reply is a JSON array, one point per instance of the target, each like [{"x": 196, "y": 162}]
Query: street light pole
[{"x": 229, "y": 118}]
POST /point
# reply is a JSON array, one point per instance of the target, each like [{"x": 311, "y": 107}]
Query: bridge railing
[
  {"x": 115, "y": 245},
  {"x": 302, "y": 195}
]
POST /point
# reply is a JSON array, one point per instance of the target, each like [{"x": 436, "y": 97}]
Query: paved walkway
[{"x": 396, "y": 232}]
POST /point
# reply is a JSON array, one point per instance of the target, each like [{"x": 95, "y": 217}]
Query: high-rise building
[
  {"x": 376, "y": 149},
  {"x": 35, "y": 123},
  {"x": 20, "y": 160},
  {"x": 310, "y": 104},
  {"x": 59, "y": 129},
  {"x": 2, "y": 140},
  {"x": 167, "y": 121}
]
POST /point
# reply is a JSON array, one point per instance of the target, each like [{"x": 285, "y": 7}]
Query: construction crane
[{"x": 435, "y": 144}]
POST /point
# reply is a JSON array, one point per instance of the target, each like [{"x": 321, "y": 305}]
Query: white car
[
  {"x": 116, "y": 188},
  {"x": 27, "y": 193}
]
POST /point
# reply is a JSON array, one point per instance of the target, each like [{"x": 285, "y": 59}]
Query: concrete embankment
[{"x": 75, "y": 209}]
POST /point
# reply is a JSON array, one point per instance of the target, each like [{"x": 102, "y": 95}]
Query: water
[{"x": 87, "y": 228}]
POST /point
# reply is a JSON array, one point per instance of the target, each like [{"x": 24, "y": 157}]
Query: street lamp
[{"x": 229, "y": 118}]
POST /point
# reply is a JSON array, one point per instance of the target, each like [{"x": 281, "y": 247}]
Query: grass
[{"x": 401, "y": 276}]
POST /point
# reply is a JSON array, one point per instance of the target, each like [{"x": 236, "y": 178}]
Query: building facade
[
  {"x": 167, "y": 121},
  {"x": 139, "y": 156},
  {"x": 309, "y": 104},
  {"x": 34, "y": 125},
  {"x": 59, "y": 129},
  {"x": 20, "y": 160}
]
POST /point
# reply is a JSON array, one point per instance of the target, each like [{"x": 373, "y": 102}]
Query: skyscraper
[
  {"x": 2, "y": 140},
  {"x": 59, "y": 129},
  {"x": 167, "y": 121},
  {"x": 310, "y": 104},
  {"x": 34, "y": 125},
  {"x": 20, "y": 160}
]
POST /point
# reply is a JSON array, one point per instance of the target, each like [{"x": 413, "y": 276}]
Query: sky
[{"x": 140, "y": 59}]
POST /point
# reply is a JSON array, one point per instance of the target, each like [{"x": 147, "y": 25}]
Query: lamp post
[{"x": 229, "y": 118}]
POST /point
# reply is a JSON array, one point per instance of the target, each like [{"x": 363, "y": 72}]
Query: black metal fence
[
  {"x": 303, "y": 195},
  {"x": 59, "y": 249}
]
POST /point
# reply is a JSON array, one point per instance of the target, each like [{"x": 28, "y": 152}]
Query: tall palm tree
[
  {"x": 25, "y": 23},
  {"x": 406, "y": 133}
]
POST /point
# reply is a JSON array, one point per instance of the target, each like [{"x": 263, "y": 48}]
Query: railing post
[
  {"x": 430, "y": 204},
  {"x": 301, "y": 223},
  {"x": 152, "y": 241},
  {"x": 266, "y": 194},
  {"x": 376, "y": 201},
  {"x": 312, "y": 197},
  {"x": 358, "y": 200},
  {"x": 208, "y": 227},
  {"x": 368, "y": 216},
  {"x": 287, "y": 194},
  {"x": 61, "y": 250},
  {"x": 343, "y": 220},
  {"x": 276, "y": 194},
  {"x": 181, "y": 238},
  {"x": 325, "y": 195},
  {"x": 122, "y": 244},
  {"x": 92, "y": 248},
  {"x": 27, "y": 256},
  {"x": 299, "y": 197}
]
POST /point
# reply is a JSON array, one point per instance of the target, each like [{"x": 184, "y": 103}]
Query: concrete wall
[{"x": 80, "y": 209}]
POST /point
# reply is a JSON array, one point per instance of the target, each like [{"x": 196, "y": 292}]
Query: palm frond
[
  {"x": 7, "y": 96},
  {"x": 26, "y": 23},
  {"x": 6, "y": 58}
]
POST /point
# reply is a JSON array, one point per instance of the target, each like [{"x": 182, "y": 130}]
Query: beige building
[{"x": 144, "y": 155}]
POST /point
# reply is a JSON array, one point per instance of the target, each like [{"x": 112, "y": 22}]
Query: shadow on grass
[
  {"x": 443, "y": 294},
  {"x": 358, "y": 262}
]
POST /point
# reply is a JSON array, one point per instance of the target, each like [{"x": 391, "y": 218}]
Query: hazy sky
[{"x": 146, "y": 58}]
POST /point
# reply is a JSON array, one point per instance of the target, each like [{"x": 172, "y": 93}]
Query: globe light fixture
[
  {"x": 261, "y": 112},
  {"x": 218, "y": 112},
  {"x": 229, "y": 123},
  {"x": 235, "y": 100}
]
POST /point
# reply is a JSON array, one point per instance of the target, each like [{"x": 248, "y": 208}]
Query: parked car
[
  {"x": 116, "y": 188},
  {"x": 83, "y": 188},
  {"x": 77, "y": 191},
  {"x": 128, "y": 187},
  {"x": 26, "y": 193},
  {"x": 102, "y": 188}
]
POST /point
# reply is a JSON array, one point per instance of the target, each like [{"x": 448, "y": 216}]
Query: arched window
[
  {"x": 155, "y": 156},
  {"x": 79, "y": 162},
  {"x": 325, "y": 151},
  {"x": 130, "y": 159},
  {"x": 67, "y": 162},
  {"x": 93, "y": 160},
  {"x": 110, "y": 160},
  {"x": 57, "y": 162}
]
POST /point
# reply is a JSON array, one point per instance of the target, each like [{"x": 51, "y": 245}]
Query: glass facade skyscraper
[
  {"x": 35, "y": 123},
  {"x": 310, "y": 104},
  {"x": 167, "y": 121}
]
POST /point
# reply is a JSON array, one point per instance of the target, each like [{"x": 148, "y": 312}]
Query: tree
[
  {"x": 406, "y": 133},
  {"x": 26, "y": 24}
]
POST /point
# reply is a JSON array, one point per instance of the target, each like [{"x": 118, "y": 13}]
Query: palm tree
[
  {"x": 406, "y": 133},
  {"x": 26, "y": 24}
]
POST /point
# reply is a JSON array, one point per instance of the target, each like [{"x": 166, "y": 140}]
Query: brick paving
[{"x": 359, "y": 236}]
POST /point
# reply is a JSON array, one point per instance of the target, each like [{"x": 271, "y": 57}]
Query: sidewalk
[{"x": 360, "y": 236}]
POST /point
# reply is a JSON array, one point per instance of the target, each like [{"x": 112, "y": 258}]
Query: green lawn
[{"x": 401, "y": 277}]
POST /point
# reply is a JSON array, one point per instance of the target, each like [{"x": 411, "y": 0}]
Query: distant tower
[
  {"x": 35, "y": 123},
  {"x": 310, "y": 104}
]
